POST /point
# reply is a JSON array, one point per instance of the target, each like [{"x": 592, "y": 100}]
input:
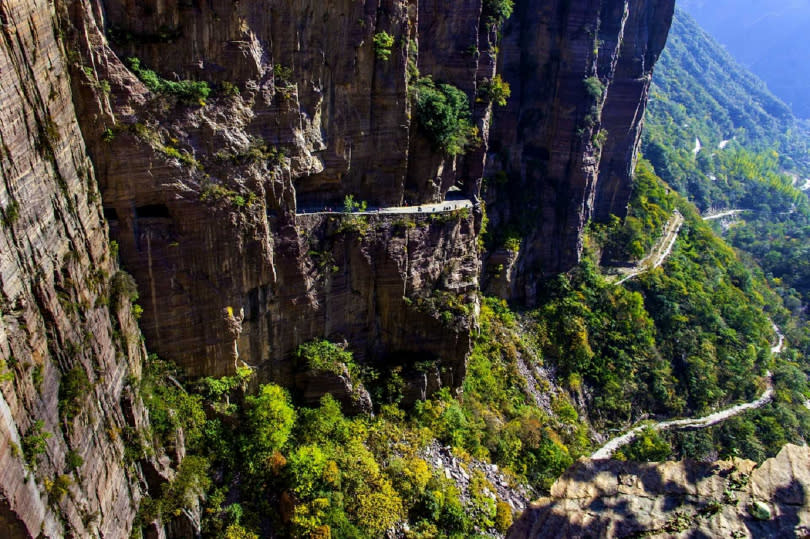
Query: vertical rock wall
[
  {"x": 642, "y": 38},
  {"x": 58, "y": 312},
  {"x": 564, "y": 147},
  {"x": 206, "y": 201}
]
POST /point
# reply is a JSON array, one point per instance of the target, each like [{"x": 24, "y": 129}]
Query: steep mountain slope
[
  {"x": 701, "y": 94},
  {"x": 767, "y": 36},
  {"x": 753, "y": 155},
  {"x": 557, "y": 161}
]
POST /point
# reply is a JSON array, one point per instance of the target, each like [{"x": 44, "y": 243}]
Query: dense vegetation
[
  {"x": 770, "y": 36},
  {"x": 700, "y": 92},
  {"x": 265, "y": 463},
  {"x": 751, "y": 154},
  {"x": 443, "y": 114},
  {"x": 683, "y": 339}
]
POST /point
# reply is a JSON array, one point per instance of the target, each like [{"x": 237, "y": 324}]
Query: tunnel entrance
[{"x": 152, "y": 211}]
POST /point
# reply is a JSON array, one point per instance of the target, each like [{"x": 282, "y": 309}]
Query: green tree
[
  {"x": 496, "y": 90},
  {"x": 443, "y": 114},
  {"x": 271, "y": 418},
  {"x": 383, "y": 42}
]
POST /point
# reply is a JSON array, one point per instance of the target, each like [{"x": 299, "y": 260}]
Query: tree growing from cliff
[
  {"x": 383, "y": 42},
  {"x": 499, "y": 10},
  {"x": 496, "y": 90},
  {"x": 443, "y": 114},
  {"x": 350, "y": 205}
]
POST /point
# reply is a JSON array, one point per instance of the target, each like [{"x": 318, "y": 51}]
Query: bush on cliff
[
  {"x": 443, "y": 114},
  {"x": 496, "y": 90},
  {"x": 499, "y": 10},
  {"x": 383, "y": 42},
  {"x": 188, "y": 91}
]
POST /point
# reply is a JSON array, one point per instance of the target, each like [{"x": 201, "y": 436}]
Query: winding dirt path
[
  {"x": 607, "y": 450},
  {"x": 659, "y": 254},
  {"x": 660, "y": 251}
]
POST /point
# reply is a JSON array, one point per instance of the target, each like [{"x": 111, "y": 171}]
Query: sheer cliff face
[
  {"x": 206, "y": 201},
  {"x": 59, "y": 317},
  {"x": 567, "y": 140}
]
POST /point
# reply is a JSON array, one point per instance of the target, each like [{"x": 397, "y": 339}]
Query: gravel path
[
  {"x": 660, "y": 251},
  {"x": 658, "y": 255}
]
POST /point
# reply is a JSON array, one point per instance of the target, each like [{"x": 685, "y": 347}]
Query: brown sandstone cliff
[
  {"x": 319, "y": 116},
  {"x": 206, "y": 200},
  {"x": 733, "y": 498}
]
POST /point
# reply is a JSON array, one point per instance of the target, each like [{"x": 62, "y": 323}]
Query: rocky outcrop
[
  {"x": 567, "y": 140},
  {"x": 643, "y": 36},
  {"x": 68, "y": 341},
  {"x": 733, "y": 498}
]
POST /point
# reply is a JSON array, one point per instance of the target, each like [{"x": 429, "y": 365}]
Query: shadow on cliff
[
  {"x": 11, "y": 527},
  {"x": 618, "y": 517},
  {"x": 788, "y": 501}
]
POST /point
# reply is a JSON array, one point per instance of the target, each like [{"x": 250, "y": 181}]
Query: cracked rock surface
[{"x": 734, "y": 498}]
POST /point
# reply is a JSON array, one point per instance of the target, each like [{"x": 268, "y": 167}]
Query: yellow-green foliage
[
  {"x": 270, "y": 416},
  {"x": 496, "y": 419},
  {"x": 383, "y": 42},
  {"x": 649, "y": 446},
  {"x": 496, "y": 90}
]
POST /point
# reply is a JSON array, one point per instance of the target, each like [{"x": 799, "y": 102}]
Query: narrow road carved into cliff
[
  {"x": 660, "y": 251},
  {"x": 439, "y": 207}
]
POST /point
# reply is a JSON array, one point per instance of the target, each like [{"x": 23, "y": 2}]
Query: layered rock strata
[
  {"x": 206, "y": 199},
  {"x": 68, "y": 341}
]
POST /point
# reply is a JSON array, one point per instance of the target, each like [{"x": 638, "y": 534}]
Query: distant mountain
[
  {"x": 702, "y": 97},
  {"x": 717, "y": 135},
  {"x": 768, "y": 36}
]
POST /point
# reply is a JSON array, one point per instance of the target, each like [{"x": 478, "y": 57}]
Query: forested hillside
[
  {"x": 687, "y": 336},
  {"x": 717, "y": 135},
  {"x": 712, "y": 126},
  {"x": 767, "y": 36}
]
